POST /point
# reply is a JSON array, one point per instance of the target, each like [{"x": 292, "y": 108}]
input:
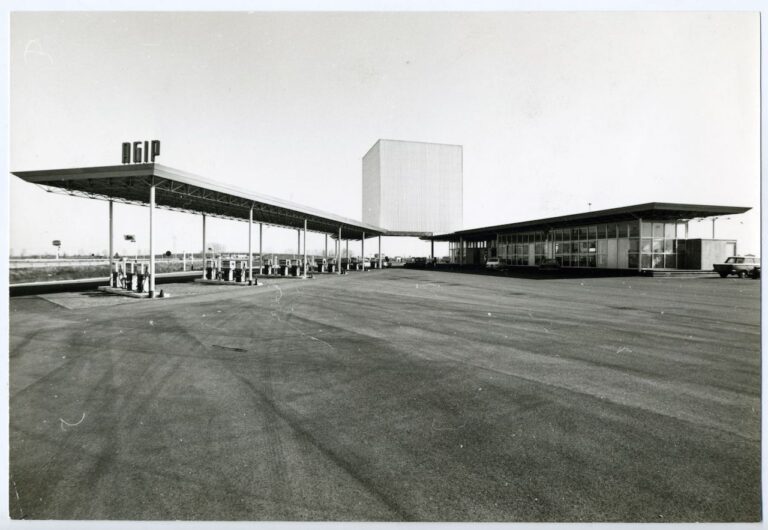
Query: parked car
[
  {"x": 493, "y": 264},
  {"x": 741, "y": 266},
  {"x": 549, "y": 264}
]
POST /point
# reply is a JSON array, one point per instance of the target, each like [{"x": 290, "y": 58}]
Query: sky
[{"x": 557, "y": 113}]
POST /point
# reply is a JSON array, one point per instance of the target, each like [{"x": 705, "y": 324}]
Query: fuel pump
[
  {"x": 240, "y": 270},
  {"x": 142, "y": 280},
  {"x": 210, "y": 268},
  {"x": 114, "y": 275},
  {"x": 130, "y": 275},
  {"x": 227, "y": 269}
]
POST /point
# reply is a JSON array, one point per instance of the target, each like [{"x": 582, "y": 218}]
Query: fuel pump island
[{"x": 140, "y": 180}]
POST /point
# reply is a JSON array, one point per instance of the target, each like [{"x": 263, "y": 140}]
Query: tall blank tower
[{"x": 413, "y": 186}]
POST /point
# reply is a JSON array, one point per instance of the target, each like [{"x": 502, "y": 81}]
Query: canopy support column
[
  {"x": 338, "y": 253},
  {"x": 205, "y": 250},
  {"x": 111, "y": 243},
  {"x": 325, "y": 255},
  {"x": 152, "y": 241},
  {"x": 304, "y": 268},
  {"x": 640, "y": 244},
  {"x": 432, "y": 249},
  {"x": 250, "y": 244},
  {"x": 379, "y": 252},
  {"x": 362, "y": 252},
  {"x": 261, "y": 254}
]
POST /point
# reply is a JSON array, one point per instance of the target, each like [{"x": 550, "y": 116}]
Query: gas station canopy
[{"x": 181, "y": 191}]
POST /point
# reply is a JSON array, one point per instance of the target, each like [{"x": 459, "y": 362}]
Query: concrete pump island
[{"x": 623, "y": 387}]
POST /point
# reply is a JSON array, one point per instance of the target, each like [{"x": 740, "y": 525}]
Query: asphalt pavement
[{"x": 395, "y": 395}]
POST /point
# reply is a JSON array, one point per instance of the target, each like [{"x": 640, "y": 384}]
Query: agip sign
[{"x": 137, "y": 153}]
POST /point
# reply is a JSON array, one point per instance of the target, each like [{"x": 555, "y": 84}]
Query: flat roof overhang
[
  {"x": 182, "y": 191},
  {"x": 657, "y": 211}
]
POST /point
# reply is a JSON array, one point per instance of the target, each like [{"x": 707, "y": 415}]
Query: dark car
[
  {"x": 549, "y": 265},
  {"x": 741, "y": 266}
]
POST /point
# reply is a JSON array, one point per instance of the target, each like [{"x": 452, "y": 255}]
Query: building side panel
[
  {"x": 421, "y": 186},
  {"x": 372, "y": 186}
]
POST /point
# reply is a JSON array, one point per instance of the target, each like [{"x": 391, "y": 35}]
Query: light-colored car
[
  {"x": 493, "y": 264},
  {"x": 741, "y": 266}
]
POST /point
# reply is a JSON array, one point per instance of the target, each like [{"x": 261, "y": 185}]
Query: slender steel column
[
  {"x": 250, "y": 244},
  {"x": 432, "y": 249},
  {"x": 304, "y": 275},
  {"x": 205, "y": 250},
  {"x": 338, "y": 253},
  {"x": 111, "y": 243},
  {"x": 640, "y": 245},
  {"x": 261, "y": 254},
  {"x": 325, "y": 255},
  {"x": 298, "y": 241},
  {"x": 362, "y": 251},
  {"x": 379, "y": 252},
  {"x": 152, "y": 241}
]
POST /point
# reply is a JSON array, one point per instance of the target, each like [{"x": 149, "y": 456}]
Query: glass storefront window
[
  {"x": 669, "y": 246},
  {"x": 623, "y": 229},
  {"x": 611, "y": 230},
  {"x": 591, "y": 261},
  {"x": 670, "y": 261},
  {"x": 633, "y": 245},
  {"x": 582, "y": 232},
  {"x": 658, "y": 230},
  {"x": 647, "y": 229},
  {"x": 558, "y": 235},
  {"x": 592, "y": 246},
  {"x": 669, "y": 231},
  {"x": 566, "y": 235},
  {"x": 645, "y": 261},
  {"x": 658, "y": 261},
  {"x": 658, "y": 246},
  {"x": 632, "y": 260},
  {"x": 582, "y": 260},
  {"x": 634, "y": 229},
  {"x": 645, "y": 246},
  {"x": 592, "y": 232},
  {"x": 583, "y": 247}
]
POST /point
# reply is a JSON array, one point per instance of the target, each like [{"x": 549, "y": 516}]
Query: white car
[{"x": 493, "y": 264}]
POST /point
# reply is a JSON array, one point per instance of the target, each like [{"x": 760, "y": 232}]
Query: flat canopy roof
[
  {"x": 657, "y": 211},
  {"x": 178, "y": 190}
]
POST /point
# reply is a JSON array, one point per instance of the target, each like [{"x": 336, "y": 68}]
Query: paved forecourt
[{"x": 391, "y": 395}]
